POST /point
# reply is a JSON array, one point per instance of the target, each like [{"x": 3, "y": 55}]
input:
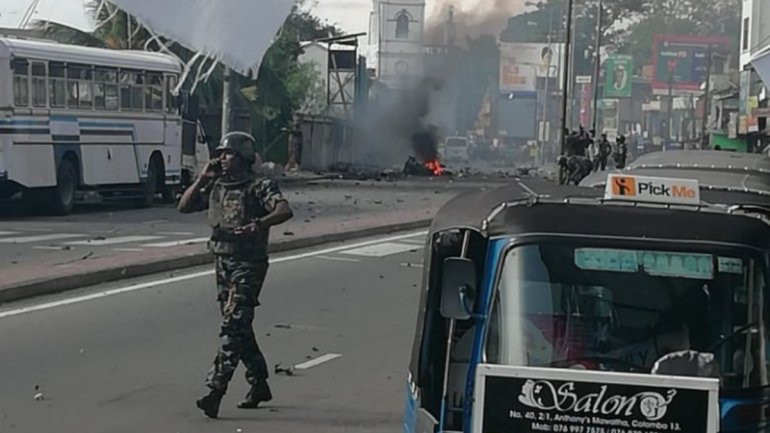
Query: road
[
  {"x": 104, "y": 231},
  {"x": 132, "y": 356}
]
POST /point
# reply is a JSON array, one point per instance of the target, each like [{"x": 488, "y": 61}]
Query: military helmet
[{"x": 241, "y": 143}]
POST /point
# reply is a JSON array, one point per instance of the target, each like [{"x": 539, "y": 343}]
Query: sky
[{"x": 351, "y": 15}]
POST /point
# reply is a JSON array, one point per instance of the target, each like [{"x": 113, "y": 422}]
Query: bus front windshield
[{"x": 568, "y": 305}]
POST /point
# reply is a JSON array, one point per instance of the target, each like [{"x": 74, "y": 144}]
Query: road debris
[{"x": 288, "y": 371}]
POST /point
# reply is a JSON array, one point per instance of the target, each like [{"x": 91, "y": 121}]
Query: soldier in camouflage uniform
[{"x": 241, "y": 210}]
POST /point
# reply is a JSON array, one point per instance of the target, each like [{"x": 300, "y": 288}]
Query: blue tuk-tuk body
[{"x": 548, "y": 287}]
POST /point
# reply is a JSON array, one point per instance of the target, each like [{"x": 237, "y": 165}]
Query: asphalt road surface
[{"x": 132, "y": 356}]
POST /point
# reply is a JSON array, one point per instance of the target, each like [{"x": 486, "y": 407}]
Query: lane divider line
[
  {"x": 317, "y": 361},
  {"x": 185, "y": 277}
]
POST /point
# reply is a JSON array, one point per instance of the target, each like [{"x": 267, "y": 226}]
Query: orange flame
[{"x": 435, "y": 167}]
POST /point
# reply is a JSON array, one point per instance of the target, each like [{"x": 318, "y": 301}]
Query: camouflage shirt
[{"x": 235, "y": 204}]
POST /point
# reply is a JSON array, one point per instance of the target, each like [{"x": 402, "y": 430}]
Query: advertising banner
[
  {"x": 526, "y": 400},
  {"x": 522, "y": 63},
  {"x": 682, "y": 61},
  {"x": 619, "y": 71}
]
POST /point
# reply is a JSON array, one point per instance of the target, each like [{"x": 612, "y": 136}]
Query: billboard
[
  {"x": 521, "y": 64},
  {"x": 619, "y": 71},
  {"x": 682, "y": 61}
]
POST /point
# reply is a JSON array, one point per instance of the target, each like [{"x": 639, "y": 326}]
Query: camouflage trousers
[{"x": 238, "y": 283}]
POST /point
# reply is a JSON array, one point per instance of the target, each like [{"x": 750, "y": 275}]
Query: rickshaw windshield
[{"x": 620, "y": 309}]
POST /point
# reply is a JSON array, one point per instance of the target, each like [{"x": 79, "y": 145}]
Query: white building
[
  {"x": 755, "y": 78},
  {"x": 755, "y": 29},
  {"x": 397, "y": 28}
]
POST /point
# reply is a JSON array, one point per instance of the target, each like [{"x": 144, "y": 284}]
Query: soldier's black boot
[
  {"x": 209, "y": 403},
  {"x": 259, "y": 393}
]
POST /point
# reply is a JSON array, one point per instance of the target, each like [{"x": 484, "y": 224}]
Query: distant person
[
  {"x": 603, "y": 153},
  {"x": 546, "y": 59},
  {"x": 241, "y": 210},
  {"x": 621, "y": 153}
]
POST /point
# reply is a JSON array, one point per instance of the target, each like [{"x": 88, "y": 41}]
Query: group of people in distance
[{"x": 583, "y": 154}]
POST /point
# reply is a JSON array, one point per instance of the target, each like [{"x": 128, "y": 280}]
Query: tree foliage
[{"x": 628, "y": 25}]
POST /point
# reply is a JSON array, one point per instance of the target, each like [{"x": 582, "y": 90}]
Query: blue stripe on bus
[
  {"x": 63, "y": 118},
  {"x": 21, "y": 122}
]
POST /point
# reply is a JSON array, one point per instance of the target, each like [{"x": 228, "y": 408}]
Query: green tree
[{"x": 682, "y": 17}]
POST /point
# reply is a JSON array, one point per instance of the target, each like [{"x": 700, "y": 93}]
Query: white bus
[{"x": 75, "y": 120}]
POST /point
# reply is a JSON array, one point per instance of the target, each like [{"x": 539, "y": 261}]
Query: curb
[{"x": 69, "y": 282}]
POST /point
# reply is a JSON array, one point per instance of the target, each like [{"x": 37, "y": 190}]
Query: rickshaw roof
[
  {"x": 743, "y": 177},
  {"x": 535, "y": 206}
]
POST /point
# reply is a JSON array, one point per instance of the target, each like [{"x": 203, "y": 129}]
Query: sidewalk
[{"x": 326, "y": 211}]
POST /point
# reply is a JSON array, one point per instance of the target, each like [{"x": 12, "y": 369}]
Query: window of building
[
  {"x": 746, "y": 32},
  {"x": 20, "y": 83},
  {"x": 39, "y": 86},
  {"x": 402, "y": 25},
  {"x": 153, "y": 92},
  {"x": 57, "y": 93},
  {"x": 106, "y": 89}
]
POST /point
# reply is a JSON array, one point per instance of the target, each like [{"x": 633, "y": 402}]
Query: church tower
[{"x": 398, "y": 30}]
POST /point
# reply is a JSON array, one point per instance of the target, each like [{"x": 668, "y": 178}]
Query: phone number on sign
[{"x": 566, "y": 428}]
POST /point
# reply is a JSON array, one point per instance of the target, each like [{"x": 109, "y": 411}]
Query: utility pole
[
  {"x": 226, "y": 102},
  {"x": 706, "y": 101},
  {"x": 545, "y": 125},
  {"x": 598, "y": 65},
  {"x": 566, "y": 77}
]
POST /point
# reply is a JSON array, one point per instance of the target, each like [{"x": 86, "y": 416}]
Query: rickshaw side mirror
[{"x": 458, "y": 289}]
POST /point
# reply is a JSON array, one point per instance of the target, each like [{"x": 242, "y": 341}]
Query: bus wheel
[
  {"x": 62, "y": 197},
  {"x": 150, "y": 186}
]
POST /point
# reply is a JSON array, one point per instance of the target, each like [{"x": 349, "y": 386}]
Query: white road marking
[
  {"x": 380, "y": 250},
  {"x": 39, "y": 238},
  {"x": 49, "y": 247},
  {"x": 419, "y": 242},
  {"x": 174, "y": 233},
  {"x": 163, "y": 281},
  {"x": 128, "y": 250},
  {"x": 7, "y": 233},
  {"x": 338, "y": 259},
  {"x": 113, "y": 241},
  {"x": 177, "y": 243},
  {"x": 317, "y": 361},
  {"x": 412, "y": 265}
]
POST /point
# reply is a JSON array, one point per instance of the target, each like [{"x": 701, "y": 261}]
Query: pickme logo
[
  {"x": 544, "y": 395},
  {"x": 624, "y": 186}
]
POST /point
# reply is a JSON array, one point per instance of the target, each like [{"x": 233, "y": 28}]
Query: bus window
[
  {"x": 153, "y": 92},
  {"x": 20, "y": 83},
  {"x": 171, "y": 82},
  {"x": 106, "y": 89},
  {"x": 57, "y": 87},
  {"x": 39, "y": 88},
  {"x": 131, "y": 93},
  {"x": 79, "y": 87}
]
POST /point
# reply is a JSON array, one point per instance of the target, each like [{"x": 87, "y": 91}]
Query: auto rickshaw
[{"x": 636, "y": 307}]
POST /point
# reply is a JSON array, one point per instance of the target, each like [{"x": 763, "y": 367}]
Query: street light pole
[
  {"x": 566, "y": 77},
  {"x": 597, "y": 66},
  {"x": 706, "y": 101}
]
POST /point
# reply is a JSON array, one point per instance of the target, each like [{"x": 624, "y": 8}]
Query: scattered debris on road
[{"x": 288, "y": 371}]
